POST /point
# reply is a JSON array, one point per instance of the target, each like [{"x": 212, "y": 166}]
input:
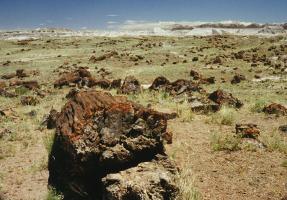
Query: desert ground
[{"x": 214, "y": 162}]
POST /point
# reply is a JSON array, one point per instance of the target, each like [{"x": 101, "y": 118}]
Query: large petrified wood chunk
[
  {"x": 98, "y": 134},
  {"x": 148, "y": 180}
]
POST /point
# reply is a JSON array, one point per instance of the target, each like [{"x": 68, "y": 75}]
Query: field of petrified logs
[{"x": 160, "y": 118}]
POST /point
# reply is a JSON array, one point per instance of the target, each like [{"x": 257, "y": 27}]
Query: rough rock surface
[
  {"x": 247, "y": 130},
  {"x": 177, "y": 87},
  {"x": 80, "y": 76},
  {"x": 5, "y": 93},
  {"x": 148, "y": 180},
  {"x": 98, "y": 134},
  {"x": 159, "y": 83},
  {"x": 221, "y": 97},
  {"x": 31, "y": 85},
  {"x": 29, "y": 100},
  {"x": 130, "y": 86},
  {"x": 238, "y": 78},
  {"x": 275, "y": 108}
]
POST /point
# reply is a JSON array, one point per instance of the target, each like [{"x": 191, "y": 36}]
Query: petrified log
[
  {"x": 221, "y": 97},
  {"x": 98, "y": 134}
]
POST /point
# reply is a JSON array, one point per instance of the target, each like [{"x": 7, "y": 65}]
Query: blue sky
[{"x": 103, "y": 13}]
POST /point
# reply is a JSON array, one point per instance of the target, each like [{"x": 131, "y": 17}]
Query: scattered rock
[
  {"x": 116, "y": 84},
  {"x": 98, "y": 134},
  {"x": 275, "y": 108},
  {"x": 247, "y": 130},
  {"x": 5, "y": 93},
  {"x": 283, "y": 128},
  {"x": 103, "y": 57},
  {"x": 148, "y": 180},
  {"x": 80, "y": 76},
  {"x": 194, "y": 74},
  {"x": 130, "y": 86},
  {"x": 52, "y": 119},
  {"x": 159, "y": 83},
  {"x": 31, "y": 85},
  {"x": 221, "y": 97},
  {"x": 29, "y": 100},
  {"x": 238, "y": 78}
]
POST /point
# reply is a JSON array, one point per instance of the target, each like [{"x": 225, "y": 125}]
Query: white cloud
[
  {"x": 112, "y": 15},
  {"x": 112, "y": 22}
]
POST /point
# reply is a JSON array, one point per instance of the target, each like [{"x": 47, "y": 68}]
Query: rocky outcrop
[
  {"x": 148, "y": 180},
  {"x": 98, "y": 134},
  {"x": 223, "y": 98}
]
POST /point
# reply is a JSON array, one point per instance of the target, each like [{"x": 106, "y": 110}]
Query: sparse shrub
[
  {"x": 186, "y": 190},
  {"x": 184, "y": 112},
  {"x": 226, "y": 116},
  {"x": 284, "y": 164},
  {"x": 225, "y": 142},
  {"x": 21, "y": 90},
  {"x": 258, "y": 106},
  {"x": 53, "y": 195},
  {"x": 275, "y": 142}
]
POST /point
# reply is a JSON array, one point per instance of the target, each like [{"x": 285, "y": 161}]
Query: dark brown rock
[
  {"x": 275, "y": 108},
  {"x": 247, "y": 130},
  {"x": 194, "y": 74},
  {"x": 98, "y": 134},
  {"x": 31, "y": 85},
  {"x": 221, "y": 97},
  {"x": 52, "y": 119},
  {"x": 80, "y": 76},
  {"x": 130, "y": 86},
  {"x": 283, "y": 128},
  {"x": 5, "y": 93},
  {"x": 116, "y": 84},
  {"x": 159, "y": 83},
  {"x": 238, "y": 78},
  {"x": 20, "y": 73},
  {"x": 29, "y": 100}
]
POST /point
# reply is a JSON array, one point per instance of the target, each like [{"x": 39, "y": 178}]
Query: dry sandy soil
[{"x": 214, "y": 164}]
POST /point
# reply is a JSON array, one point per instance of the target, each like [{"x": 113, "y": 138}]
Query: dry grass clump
[
  {"x": 275, "y": 142},
  {"x": 163, "y": 99},
  {"x": 258, "y": 106},
  {"x": 185, "y": 184},
  {"x": 226, "y": 116},
  {"x": 220, "y": 142},
  {"x": 53, "y": 195}
]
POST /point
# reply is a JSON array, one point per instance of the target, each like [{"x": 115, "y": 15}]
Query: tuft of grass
[
  {"x": 258, "y": 106},
  {"x": 284, "y": 164},
  {"x": 275, "y": 142},
  {"x": 185, "y": 184},
  {"x": 48, "y": 140},
  {"x": 184, "y": 112},
  {"x": 226, "y": 116},
  {"x": 221, "y": 142},
  {"x": 21, "y": 90},
  {"x": 53, "y": 195}
]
